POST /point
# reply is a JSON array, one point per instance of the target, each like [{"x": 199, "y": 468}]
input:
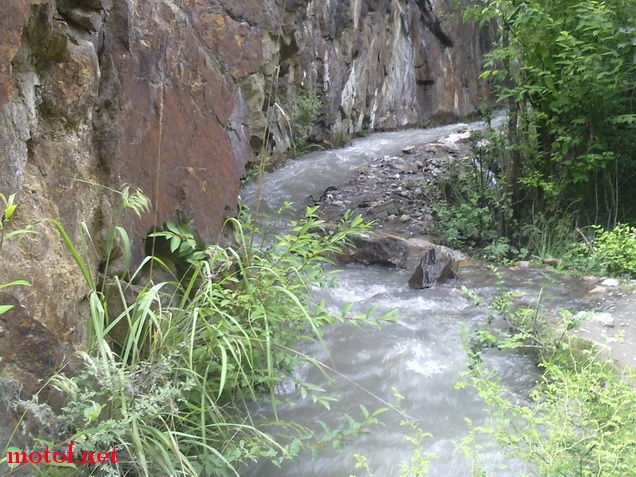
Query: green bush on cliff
[
  {"x": 306, "y": 110},
  {"x": 170, "y": 374}
]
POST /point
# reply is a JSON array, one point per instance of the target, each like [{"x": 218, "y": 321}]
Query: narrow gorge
[
  {"x": 330, "y": 238},
  {"x": 176, "y": 98}
]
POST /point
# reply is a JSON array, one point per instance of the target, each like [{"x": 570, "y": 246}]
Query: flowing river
[{"x": 420, "y": 354}]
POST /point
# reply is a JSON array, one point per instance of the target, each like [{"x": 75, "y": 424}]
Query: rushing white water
[
  {"x": 420, "y": 354},
  {"x": 314, "y": 172}
]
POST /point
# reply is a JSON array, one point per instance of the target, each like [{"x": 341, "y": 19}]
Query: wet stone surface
[{"x": 396, "y": 192}]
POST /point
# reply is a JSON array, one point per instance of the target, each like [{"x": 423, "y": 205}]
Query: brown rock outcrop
[{"x": 110, "y": 92}]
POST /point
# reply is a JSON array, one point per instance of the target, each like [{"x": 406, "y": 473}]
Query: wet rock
[
  {"x": 553, "y": 262},
  {"x": 417, "y": 246},
  {"x": 522, "y": 265},
  {"x": 610, "y": 283},
  {"x": 458, "y": 137},
  {"x": 591, "y": 280},
  {"x": 409, "y": 150},
  {"x": 434, "y": 267},
  {"x": 379, "y": 249},
  {"x": 384, "y": 209},
  {"x": 604, "y": 319},
  {"x": 438, "y": 148}
]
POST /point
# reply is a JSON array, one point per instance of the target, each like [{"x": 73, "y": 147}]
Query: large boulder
[{"x": 378, "y": 249}]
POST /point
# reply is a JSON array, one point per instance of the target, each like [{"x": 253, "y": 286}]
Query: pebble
[
  {"x": 598, "y": 290},
  {"x": 604, "y": 319},
  {"x": 405, "y": 218},
  {"x": 610, "y": 283},
  {"x": 409, "y": 150}
]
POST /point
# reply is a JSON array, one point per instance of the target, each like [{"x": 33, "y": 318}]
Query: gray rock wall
[{"x": 376, "y": 65}]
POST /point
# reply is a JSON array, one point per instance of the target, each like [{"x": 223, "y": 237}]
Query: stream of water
[{"x": 420, "y": 354}]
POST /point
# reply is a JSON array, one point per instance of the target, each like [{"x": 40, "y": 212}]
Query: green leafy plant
[
  {"x": 418, "y": 464},
  {"x": 170, "y": 371},
  {"x": 579, "y": 418},
  {"x": 565, "y": 71},
  {"x": 181, "y": 240},
  {"x": 604, "y": 251},
  {"x": 615, "y": 250},
  {"x": 305, "y": 111},
  {"x": 7, "y": 210},
  {"x": 475, "y": 211}
]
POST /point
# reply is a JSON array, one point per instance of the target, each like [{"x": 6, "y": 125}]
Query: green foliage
[
  {"x": 567, "y": 73},
  {"x": 580, "y": 417},
  {"x": 7, "y": 210},
  {"x": 602, "y": 251},
  {"x": 549, "y": 235},
  {"x": 476, "y": 211},
  {"x": 306, "y": 110},
  {"x": 181, "y": 240},
  {"x": 579, "y": 421},
  {"x": 418, "y": 464},
  {"x": 615, "y": 250},
  {"x": 170, "y": 370}
]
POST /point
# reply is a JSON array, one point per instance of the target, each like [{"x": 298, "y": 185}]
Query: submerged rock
[{"x": 553, "y": 262}]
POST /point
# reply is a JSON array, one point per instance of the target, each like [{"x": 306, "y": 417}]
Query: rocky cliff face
[
  {"x": 173, "y": 97},
  {"x": 375, "y": 64}
]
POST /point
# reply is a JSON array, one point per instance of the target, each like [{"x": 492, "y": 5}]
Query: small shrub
[
  {"x": 549, "y": 235},
  {"x": 580, "y": 417},
  {"x": 615, "y": 250},
  {"x": 475, "y": 211},
  {"x": 306, "y": 112},
  {"x": 576, "y": 422},
  {"x": 8, "y": 207}
]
